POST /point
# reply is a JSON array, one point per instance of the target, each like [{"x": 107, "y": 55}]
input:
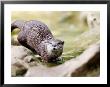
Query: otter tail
[{"x": 17, "y": 24}]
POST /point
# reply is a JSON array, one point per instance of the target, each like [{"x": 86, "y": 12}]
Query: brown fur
[{"x": 35, "y": 35}]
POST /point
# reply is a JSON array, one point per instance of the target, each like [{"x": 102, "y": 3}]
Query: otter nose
[{"x": 54, "y": 48}]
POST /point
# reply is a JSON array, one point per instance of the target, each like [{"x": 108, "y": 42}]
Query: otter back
[{"x": 33, "y": 34}]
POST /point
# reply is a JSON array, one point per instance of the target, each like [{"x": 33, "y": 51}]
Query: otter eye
[{"x": 49, "y": 42}]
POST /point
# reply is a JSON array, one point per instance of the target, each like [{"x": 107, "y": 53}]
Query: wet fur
[{"x": 36, "y": 36}]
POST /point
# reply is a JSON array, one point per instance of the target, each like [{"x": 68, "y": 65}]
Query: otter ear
[{"x": 62, "y": 42}]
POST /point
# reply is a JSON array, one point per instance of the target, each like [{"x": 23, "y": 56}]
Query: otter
[{"x": 37, "y": 37}]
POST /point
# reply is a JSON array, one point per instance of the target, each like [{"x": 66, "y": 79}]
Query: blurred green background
[{"x": 64, "y": 25}]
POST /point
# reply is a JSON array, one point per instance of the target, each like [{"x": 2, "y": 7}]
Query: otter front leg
[
  {"x": 23, "y": 41},
  {"x": 44, "y": 56},
  {"x": 42, "y": 52}
]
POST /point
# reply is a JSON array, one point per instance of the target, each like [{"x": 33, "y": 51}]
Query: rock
[
  {"x": 93, "y": 20},
  {"x": 28, "y": 58},
  {"x": 17, "y": 70},
  {"x": 14, "y": 40},
  {"x": 72, "y": 67},
  {"x": 19, "y": 52},
  {"x": 19, "y": 65}
]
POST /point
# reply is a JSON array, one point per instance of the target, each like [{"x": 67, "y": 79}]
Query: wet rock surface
[
  {"x": 79, "y": 66},
  {"x": 73, "y": 67}
]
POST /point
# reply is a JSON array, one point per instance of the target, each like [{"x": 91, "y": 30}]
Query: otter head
[{"x": 54, "y": 48}]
